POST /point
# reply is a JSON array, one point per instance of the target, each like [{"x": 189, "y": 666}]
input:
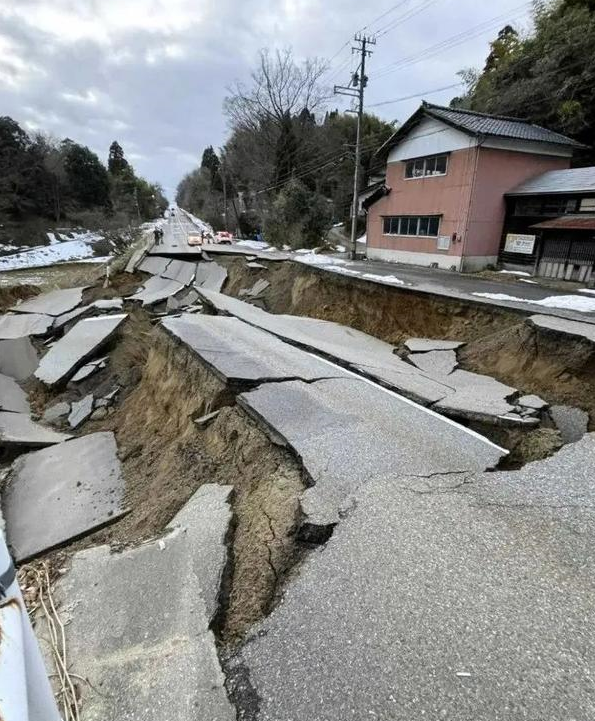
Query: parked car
[
  {"x": 223, "y": 237},
  {"x": 196, "y": 237}
]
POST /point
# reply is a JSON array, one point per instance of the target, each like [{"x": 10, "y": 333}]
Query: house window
[
  {"x": 426, "y": 167},
  {"x": 422, "y": 225},
  {"x": 587, "y": 205}
]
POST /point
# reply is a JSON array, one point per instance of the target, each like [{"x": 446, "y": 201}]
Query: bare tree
[{"x": 280, "y": 88}]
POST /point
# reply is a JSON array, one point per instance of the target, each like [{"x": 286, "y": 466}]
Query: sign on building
[
  {"x": 518, "y": 243},
  {"x": 443, "y": 242}
]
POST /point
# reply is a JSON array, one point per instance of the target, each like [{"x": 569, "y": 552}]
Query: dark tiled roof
[
  {"x": 568, "y": 222},
  {"x": 498, "y": 125},
  {"x": 480, "y": 124},
  {"x": 573, "y": 180}
]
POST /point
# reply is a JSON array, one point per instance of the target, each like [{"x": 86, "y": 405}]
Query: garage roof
[
  {"x": 573, "y": 180},
  {"x": 568, "y": 222}
]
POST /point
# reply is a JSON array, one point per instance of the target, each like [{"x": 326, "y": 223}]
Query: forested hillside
[
  {"x": 62, "y": 182},
  {"x": 287, "y": 166},
  {"x": 546, "y": 76}
]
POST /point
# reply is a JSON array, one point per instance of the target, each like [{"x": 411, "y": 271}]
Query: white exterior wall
[
  {"x": 523, "y": 146},
  {"x": 430, "y": 137}
]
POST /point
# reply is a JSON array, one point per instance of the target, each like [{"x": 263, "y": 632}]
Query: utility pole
[
  {"x": 224, "y": 181},
  {"x": 356, "y": 90}
]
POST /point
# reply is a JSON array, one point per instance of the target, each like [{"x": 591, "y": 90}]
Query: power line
[
  {"x": 416, "y": 95},
  {"x": 451, "y": 41},
  {"x": 406, "y": 16},
  {"x": 384, "y": 14}
]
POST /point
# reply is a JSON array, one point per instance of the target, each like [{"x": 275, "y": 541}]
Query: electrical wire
[{"x": 451, "y": 42}]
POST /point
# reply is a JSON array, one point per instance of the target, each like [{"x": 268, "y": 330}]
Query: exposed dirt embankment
[
  {"x": 12, "y": 294},
  {"x": 559, "y": 368},
  {"x": 389, "y": 313}
]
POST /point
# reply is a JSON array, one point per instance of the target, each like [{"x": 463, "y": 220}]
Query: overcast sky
[{"x": 153, "y": 73}]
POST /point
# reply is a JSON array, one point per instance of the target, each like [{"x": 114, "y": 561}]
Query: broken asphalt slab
[
  {"x": 242, "y": 354},
  {"x": 180, "y": 270},
  {"x": 154, "y": 265},
  {"x": 460, "y": 597},
  {"x": 348, "y": 431},
  {"x": 14, "y": 325},
  {"x": 12, "y": 397},
  {"x": 561, "y": 326},
  {"x": 77, "y": 346},
  {"x": 80, "y": 411},
  {"x": 423, "y": 345},
  {"x": 478, "y": 397},
  {"x": 473, "y": 396},
  {"x": 137, "y": 625},
  {"x": 61, "y": 493},
  {"x": 18, "y": 358},
  {"x": 17, "y": 429},
  {"x": 435, "y": 362},
  {"x": 220, "y": 249},
  {"x": 210, "y": 276},
  {"x": 156, "y": 290},
  {"x": 96, "y": 308},
  {"x": 571, "y": 422},
  {"x": 54, "y": 303}
]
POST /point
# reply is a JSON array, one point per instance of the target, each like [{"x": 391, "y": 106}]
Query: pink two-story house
[{"x": 447, "y": 172}]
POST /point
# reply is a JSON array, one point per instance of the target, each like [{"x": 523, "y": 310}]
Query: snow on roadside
[
  {"x": 565, "y": 302},
  {"x": 590, "y": 291},
  {"x": 200, "y": 224},
  {"x": 383, "y": 278},
  {"x": 254, "y": 244},
  {"x": 319, "y": 259},
  {"x": 344, "y": 271},
  {"x": 52, "y": 238},
  {"x": 515, "y": 272},
  {"x": 80, "y": 247},
  {"x": 43, "y": 255}
]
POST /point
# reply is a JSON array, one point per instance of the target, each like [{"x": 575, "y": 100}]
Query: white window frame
[
  {"x": 412, "y": 235},
  {"x": 424, "y": 161}
]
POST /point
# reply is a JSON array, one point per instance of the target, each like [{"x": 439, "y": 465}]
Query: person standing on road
[{"x": 158, "y": 235}]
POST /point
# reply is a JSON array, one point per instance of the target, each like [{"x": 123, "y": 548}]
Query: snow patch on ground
[
  {"x": 384, "y": 278},
  {"x": 590, "y": 291},
  {"x": 9, "y": 248},
  {"x": 363, "y": 239},
  {"x": 515, "y": 272},
  {"x": 344, "y": 271},
  {"x": 340, "y": 248},
  {"x": 79, "y": 248},
  {"x": 200, "y": 224},
  {"x": 318, "y": 259},
  {"x": 566, "y": 302},
  {"x": 254, "y": 244},
  {"x": 524, "y": 280},
  {"x": 52, "y": 238}
]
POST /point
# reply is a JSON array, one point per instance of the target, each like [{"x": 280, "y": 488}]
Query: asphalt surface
[{"x": 462, "y": 597}]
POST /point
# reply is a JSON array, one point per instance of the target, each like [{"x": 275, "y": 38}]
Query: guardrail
[{"x": 25, "y": 690}]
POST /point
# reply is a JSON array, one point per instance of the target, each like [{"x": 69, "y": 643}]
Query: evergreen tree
[
  {"x": 116, "y": 162},
  {"x": 87, "y": 177}
]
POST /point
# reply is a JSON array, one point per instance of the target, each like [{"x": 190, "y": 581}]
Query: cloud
[{"x": 153, "y": 73}]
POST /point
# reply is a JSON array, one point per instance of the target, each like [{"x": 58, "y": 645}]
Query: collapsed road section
[{"x": 269, "y": 517}]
